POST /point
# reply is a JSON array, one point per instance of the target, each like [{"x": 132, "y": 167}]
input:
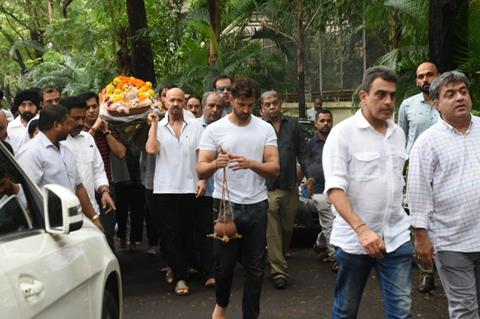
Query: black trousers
[
  {"x": 152, "y": 235},
  {"x": 251, "y": 221},
  {"x": 173, "y": 216},
  {"x": 130, "y": 198},
  {"x": 203, "y": 226}
]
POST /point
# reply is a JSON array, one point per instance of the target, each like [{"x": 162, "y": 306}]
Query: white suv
[{"x": 53, "y": 262}]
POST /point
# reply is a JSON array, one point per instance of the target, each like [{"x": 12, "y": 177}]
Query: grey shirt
[
  {"x": 45, "y": 164},
  {"x": 415, "y": 116}
]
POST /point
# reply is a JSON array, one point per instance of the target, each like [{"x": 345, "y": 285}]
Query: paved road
[{"x": 309, "y": 295}]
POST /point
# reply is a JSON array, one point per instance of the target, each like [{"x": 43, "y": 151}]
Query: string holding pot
[{"x": 225, "y": 228}]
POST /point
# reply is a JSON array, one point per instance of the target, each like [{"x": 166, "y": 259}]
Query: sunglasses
[{"x": 224, "y": 88}]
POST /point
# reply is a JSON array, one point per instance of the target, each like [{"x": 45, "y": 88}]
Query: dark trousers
[
  {"x": 203, "y": 226},
  {"x": 173, "y": 216},
  {"x": 130, "y": 198},
  {"x": 152, "y": 235},
  {"x": 108, "y": 220},
  {"x": 251, "y": 221}
]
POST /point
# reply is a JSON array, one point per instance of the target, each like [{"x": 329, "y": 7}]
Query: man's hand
[
  {"x": 153, "y": 117},
  {"x": 222, "y": 160},
  {"x": 238, "y": 162},
  {"x": 309, "y": 185},
  {"x": 423, "y": 247},
  {"x": 98, "y": 223},
  {"x": 107, "y": 202},
  {"x": 371, "y": 242},
  {"x": 97, "y": 126},
  {"x": 201, "y": 188}
]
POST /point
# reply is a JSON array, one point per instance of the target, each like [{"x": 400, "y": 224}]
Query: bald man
[
  {"x": 174, "y": 141},
  {"x": 417, "y": 113}
]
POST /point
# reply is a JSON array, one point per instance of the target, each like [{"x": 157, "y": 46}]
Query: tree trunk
[
  {"x": 300, "y": 58},
  {"x": 214, "y": 12},
  {"x": 37, "y": 36},
  {"x": 141, "y": 51},
  {"x": 444, "y": 43},
  {"x": 124, "y": 65}
]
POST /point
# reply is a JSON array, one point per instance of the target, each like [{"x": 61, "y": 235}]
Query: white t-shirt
[
  {"x": 175, "y": 166},
  {"x": 245, "y": 186}
]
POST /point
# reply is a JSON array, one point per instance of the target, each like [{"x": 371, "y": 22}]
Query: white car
[{"x": 53, "y": 262}]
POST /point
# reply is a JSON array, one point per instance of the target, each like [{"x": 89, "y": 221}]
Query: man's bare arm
[{"x": 153, "y": 145}]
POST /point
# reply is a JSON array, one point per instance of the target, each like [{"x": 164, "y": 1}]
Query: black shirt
[
  {"x": 291, "y": 146},
  {"x": 314, "y": 155}
]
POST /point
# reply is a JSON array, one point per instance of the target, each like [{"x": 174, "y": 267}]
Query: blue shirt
[
  {"x": 46, "y": 164},
  {"x": 415, "y": 116}
]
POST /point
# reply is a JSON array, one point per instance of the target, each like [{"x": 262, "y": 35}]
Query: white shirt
[
  {"x": 444, "y": 186},
  {"x": 45, "y": 164},
  {"x": 175, "y": 166},
  {"x": 89, "y": 164},
  {"x": 245, "y": 186},
  {"x": 368, "y": 166},
  {"x": 16, "y": 133}
]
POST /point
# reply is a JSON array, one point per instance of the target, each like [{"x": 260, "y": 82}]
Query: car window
[
  {"x": 13, "y": 216},
  {"x": 20, "y": 201}
]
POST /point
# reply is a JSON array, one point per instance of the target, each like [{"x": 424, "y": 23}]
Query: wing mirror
[{"x": 62, "y": 210}]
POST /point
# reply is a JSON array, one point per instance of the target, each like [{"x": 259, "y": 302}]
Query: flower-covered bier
[{"x": 125, "y": 93}]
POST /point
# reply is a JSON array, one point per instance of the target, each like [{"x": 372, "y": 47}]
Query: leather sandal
[{"x": 181, "y": 288}]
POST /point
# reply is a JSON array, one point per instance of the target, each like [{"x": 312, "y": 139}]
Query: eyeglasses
[{"x": 227, "y": 88}]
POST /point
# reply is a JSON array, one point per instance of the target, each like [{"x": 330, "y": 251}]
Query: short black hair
[
  {"x": 73, "y": 102},
  {"x": 32, "y": 126},
  {"x": 323, "y": 111},
  {"x": 88, "y": 95},
  {"x": 371, "y": 74},
  {"x": 245, "y": 88},
  {"x": 50, "y": 114},
  {"x": 49, "y": 89},
  {"x": 221, "y": 77}
]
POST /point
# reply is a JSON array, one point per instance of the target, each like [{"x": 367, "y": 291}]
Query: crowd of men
[{"x": 176, "y": 173}]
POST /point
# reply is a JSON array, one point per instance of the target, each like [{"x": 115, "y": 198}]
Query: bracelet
[
  {"x": 95, "y": 217},
  {"x": 107, "y": 133},
  {"x": 356, "y": 228},
  {"x": 105, "y": 190}
]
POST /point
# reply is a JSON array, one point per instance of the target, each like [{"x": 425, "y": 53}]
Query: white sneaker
[{"x": 152, "y": 250}]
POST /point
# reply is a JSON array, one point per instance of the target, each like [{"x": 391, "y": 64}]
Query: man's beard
[
  {"x": 325, "y": 130},
  {"x": 425, "y": 88},
  {"x": 27, "y": 116}
]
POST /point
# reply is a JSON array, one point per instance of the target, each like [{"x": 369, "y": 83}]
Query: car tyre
[{"x": 110, "y": 306}]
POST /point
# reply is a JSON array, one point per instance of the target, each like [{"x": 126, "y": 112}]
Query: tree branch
[
  {"x": 265, "y": 25},
  {"x": 65, "y": 5},
  {"x": 8, "y": 13}
]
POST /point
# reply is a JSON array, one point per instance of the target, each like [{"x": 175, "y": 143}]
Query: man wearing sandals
[
  {"x": 363, "y": 160},
  {"x": 246, "y": 147},
  {"x": 174, "y": 141}
]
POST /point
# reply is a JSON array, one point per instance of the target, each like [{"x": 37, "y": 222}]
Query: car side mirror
[{"x": 62, "y": 210}]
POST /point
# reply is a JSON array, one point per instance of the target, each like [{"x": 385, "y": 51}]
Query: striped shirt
[
  {"x": 102, "y": 145},
  {"x": 444, "y": 186}
]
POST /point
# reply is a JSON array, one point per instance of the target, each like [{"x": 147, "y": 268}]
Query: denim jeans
[
  {"x": 394, "y": 273},
  {"x": 251, "y": 221}
]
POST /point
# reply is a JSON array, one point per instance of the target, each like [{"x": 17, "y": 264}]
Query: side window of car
[
  {"x": 16, "y": 198},
  {"x": 13, "y": 217}
]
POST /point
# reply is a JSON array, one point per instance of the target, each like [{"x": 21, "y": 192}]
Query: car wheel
[{"x": 109, "y": 307}]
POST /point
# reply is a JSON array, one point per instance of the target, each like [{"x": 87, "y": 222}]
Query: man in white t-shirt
[
  {"x": 174, "y": 140},
  {"x": 246, "y": 146}
]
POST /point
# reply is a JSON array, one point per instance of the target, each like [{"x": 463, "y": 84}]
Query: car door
[{"x": 47, "y": 275}]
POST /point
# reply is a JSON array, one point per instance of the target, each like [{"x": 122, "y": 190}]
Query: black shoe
[
  {"x": 427, "y": 284},
  {"x": 280, "y": 283}
]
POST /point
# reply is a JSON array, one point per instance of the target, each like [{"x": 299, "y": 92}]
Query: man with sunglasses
[{"x": 223, "y": 85}]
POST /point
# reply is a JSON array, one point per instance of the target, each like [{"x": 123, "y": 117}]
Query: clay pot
[{"x": 225, "y": 228}]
